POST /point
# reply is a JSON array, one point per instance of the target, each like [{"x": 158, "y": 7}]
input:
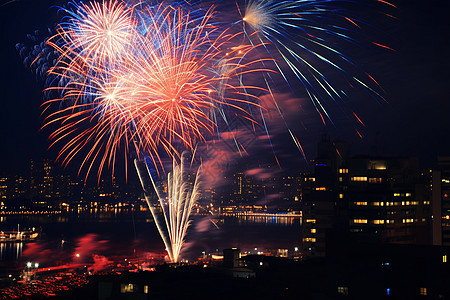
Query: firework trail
[
  {"x": 172, "y": 209},
  {"x": 307, "y": 39},
  {"x": 37, "y": 55}
]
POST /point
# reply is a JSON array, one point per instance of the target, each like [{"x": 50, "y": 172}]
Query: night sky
[{"x": 415, "y": 77}]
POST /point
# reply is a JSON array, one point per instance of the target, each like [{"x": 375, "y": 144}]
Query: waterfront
[{"x": 122, "y": 232}]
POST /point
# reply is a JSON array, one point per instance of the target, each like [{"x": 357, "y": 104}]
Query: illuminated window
[
  {"x": 423, "y": 291},
  {"x": 313, "y": 230},
  {"x": 341, "y": 196},
  {"x": 343, "y": 171},
  {"x": 343, "y": 290},
  {"x": 407, "y": 220},
  {"x": 408, "y": 194},
  {"x": 127, "y": 288},
  {"x": 377, "y": 222},
  {"x": 359, "y": 221},
  {"x": 358, "y": 179},
  {"x": 340, "y": 179},
  {"x": 311, "y": 221},
  {"x": 389, "y": 221},
  {"x": 361, "y": 203},
  {"x": 376, "y": 203},
  {"x": 388, "y": 291},
  {"x": 397, "y": 194},
  {"x": 426, "y": 202},
  {"x": 321, "y": 188},
  {"x": 375, "y": 180},
  {"x": 444, "y": 258},
  {"x": 145, "y": 289},
  {"x": 311, "y": 240}
]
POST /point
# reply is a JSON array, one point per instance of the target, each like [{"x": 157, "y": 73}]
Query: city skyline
[{"x": 231, "y": 149}]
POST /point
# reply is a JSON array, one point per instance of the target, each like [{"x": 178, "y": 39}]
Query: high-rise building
[
  {"x": 238, "y": 187},
  {"x": 46, "y": 180},
  {"x": 364, "y": 200},
  {"x": 245, "y": 188},
  {"x": 19, "y": 187},
  {"x": 290, "y": 187},
  {"x": 441, "y": 202},
  {"x": 3, "y": 188},
  {"x": 33, "y": 180},
  {"x": 62, "y": 187}
]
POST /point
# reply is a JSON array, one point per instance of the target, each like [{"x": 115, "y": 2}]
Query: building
[
  {"x": 3, "y": 188},
  {"x": 364, "y": 200},
  {"x": 231, "y": 258},
  {"x": 46, "y": 180},
  {"x": 352, "y": 272},
  {"x": 441, "y": 202}
]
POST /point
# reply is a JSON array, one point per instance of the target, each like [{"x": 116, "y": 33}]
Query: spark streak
[
  {"x": 171, "y": 210},
  {"x": 143, "y": 92}
]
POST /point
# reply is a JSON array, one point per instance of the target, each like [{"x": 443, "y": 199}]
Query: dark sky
[{"x": 415, "y": 78}]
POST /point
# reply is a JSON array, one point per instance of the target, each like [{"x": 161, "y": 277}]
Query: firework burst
[
  {"x": 307, "y": 38},
  {"x": 99, "y": 32},
  {"x": 162, "y": 92}
]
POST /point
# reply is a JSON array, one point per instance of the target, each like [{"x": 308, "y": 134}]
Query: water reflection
[
  {"x": 18, "y": 247},
  {"x": 78, "y": 215},
  {"x": 10, "y": 251},
  {"x": 268, "y": 220},
  {"x": 124, "y": 227},
  {"x": 61, "y": 219}
]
